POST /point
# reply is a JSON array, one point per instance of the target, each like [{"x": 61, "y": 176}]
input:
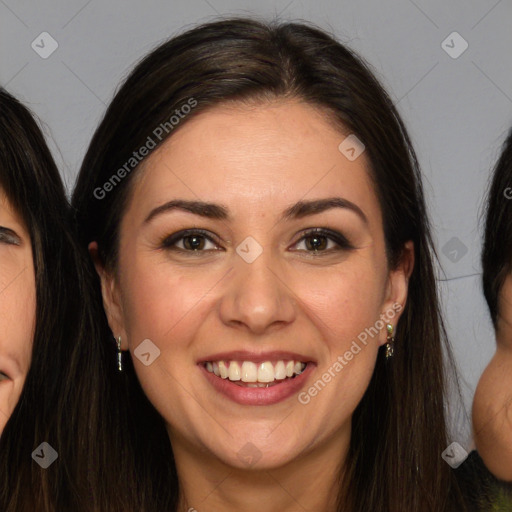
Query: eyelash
[
  {"x": 7, "y": 238},
  {"x": 343, "y": 244}
]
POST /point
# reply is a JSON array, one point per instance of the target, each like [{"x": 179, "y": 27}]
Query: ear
[
  {"x": 111, "y": 297},
  {"x": 396, "y": 290}
]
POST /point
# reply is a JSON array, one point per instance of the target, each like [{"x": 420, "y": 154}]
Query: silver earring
[
  {"x": 119, "y": 355},
  {"x": 390, "y": 341}
]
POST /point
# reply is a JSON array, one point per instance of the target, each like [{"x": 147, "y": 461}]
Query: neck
[{"x": 310, "y": 482}]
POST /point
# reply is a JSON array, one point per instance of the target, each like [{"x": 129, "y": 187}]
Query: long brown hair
[{"x": 399, "y": 429}]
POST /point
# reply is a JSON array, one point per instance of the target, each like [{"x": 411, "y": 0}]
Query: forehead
[{"x": 256, "y": 154}]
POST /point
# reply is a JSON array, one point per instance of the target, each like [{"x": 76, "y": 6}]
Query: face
[
  {"x": 276, "y": 282},
  {"x": 17, "y": 307},
  {"x": 492, "y": 409}
]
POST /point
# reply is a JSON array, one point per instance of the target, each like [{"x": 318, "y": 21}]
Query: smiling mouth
[{"x": 256, "y": 375}]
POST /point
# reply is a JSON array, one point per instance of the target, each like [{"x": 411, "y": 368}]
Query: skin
[
  {"x": 257, "y": 161},
  {"x": 17, "y": 307},
  {"x": 492, "y": 405}
]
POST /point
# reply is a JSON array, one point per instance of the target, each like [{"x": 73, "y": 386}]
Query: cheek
[
  {"x": 169, "y": 309},
  {"x": 10, "y": 393},
  {"x": 17, "y": 317},
  {"x": 17, "y": 324},
  {"x": 345, "y": 309},
  {"x": 344, "y": 303},
  {"x": 163, "y": 304}
]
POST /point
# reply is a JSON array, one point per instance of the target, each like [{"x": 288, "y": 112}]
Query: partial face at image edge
[{"x": 17, "y": 307}]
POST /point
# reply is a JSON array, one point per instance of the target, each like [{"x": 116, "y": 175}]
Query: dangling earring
[
  {"x": 390, "y": 340},
  {"x": 119, "y": 355}
]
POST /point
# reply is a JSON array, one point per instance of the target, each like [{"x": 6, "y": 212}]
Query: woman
[
  {"x": 492, "y": 409},
  {"x": 17, "y": 285},
  {"x": 42, "y": 319},
  {"x": 254, "y": 211}
]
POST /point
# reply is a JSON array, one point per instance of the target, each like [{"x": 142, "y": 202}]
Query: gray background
[{"x": 458, "y": 110}]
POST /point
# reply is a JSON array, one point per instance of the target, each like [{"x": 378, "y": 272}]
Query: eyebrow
[{"x": 219, "y": 212}]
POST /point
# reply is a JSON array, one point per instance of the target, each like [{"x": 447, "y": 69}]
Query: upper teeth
[{"x": 247, "y": 371}]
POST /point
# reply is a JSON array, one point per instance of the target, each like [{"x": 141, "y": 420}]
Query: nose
[{"x": 257, "y": 298}]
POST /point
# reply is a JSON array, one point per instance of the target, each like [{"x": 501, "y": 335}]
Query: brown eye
[
  {"x": 194, "y": 242},
  {"x": 191, "y": 241},
  {"x": 319, "y": 240},
  {"x": 316, "y": 242}
]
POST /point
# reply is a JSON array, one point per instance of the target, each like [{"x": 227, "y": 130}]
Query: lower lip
[{"x": 258, "y": 396}]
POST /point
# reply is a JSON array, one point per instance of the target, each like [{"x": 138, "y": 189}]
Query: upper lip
[{"x": 256, "y": 357}]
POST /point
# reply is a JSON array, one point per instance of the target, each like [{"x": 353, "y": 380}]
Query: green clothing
[{"x": 485, "y": 492}]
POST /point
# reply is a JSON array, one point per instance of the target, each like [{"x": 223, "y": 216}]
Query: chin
[{"x": 260, "y": 452}]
